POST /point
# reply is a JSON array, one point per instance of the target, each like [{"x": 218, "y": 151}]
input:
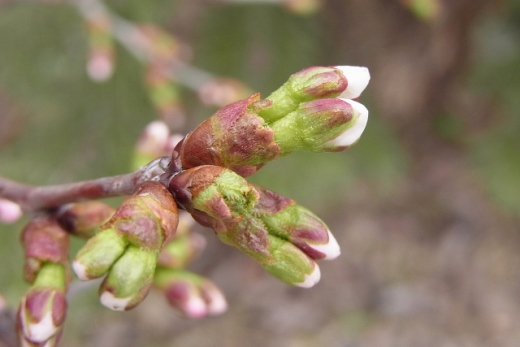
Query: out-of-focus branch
[{"x": 135, "y": 40}]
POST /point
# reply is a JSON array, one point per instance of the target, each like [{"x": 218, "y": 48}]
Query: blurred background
[{"x": 426, "y": 207}]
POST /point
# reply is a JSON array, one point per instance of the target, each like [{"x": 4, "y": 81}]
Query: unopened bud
[
  {"x": 43, "y": 308},
  {"x": 181, "y": 250},
  {"x": 321, "y": 125},
  {"x": 290, "y": 264},
  {"x": 82, "y": 219},
  {"x": 290, "y": 221},
  {"x": 10, "y": 212},
  {"x": 192, "y": 295},
  {"x": 309, "y": 84},
  {"x": 100, "y": 64},
  {"x": 44, "y": 241},
  {"x": 129, "y": 279},
  {"x": 152, "y": 143},
  {"x": 235, "y": 137}
]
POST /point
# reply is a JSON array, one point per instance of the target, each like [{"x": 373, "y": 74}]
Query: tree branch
[{"x": 33, "y": 198}]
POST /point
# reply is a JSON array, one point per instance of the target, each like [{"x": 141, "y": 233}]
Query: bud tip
[
  {"x": 330, "y": 249},
  {"x": 117, "y": 304},
  {"x": 357, "y": 77},
  {"x": 80, "y": 270},
  {"x": 353, "y": 133},
  {"x": 311, "y": 279}
]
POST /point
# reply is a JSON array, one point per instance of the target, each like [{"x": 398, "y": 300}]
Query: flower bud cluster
[
  {"x": 284, "y": 237},
  {"x": 127, "y": 247},
  {"x": 43, "y": 308},
  {"x": 312, "y": 111}
]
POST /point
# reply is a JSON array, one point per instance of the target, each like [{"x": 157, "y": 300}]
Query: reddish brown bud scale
[
  {"x": 163, "y": 205},
  {"x": 44, "y": 241},
  {"x": 81, "y": 219},
  {"x": 235, "y": 137},
  {"x": 149, "y": 218}
]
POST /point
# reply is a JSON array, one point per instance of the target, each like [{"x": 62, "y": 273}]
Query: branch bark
[{"x": 34, "y": 198}]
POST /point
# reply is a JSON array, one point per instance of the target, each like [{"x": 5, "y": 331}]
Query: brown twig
[{"x": 34, "y": 198}]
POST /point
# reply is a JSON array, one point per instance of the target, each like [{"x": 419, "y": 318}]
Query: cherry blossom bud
[
  {"x": 309, "y": 84},
  {"x": 257, "y": 222},
  {"x": 194, "y": 296},
  {"x": 128, "y": 245},
  {"x": 153, "y": 143},
  {"x": 129, "y": 279},
  {"x": 234, "y": 137},
  {"x": 321, "y": 125},
  {"x": 44, "y": 241},
  {"x": 287, "y": 220},
  {"x": 83, "y": 219},
  {"x": 181, "y": 250},
  {"x": 10, "y": 212},
  {"x": 43, "y": 308}
]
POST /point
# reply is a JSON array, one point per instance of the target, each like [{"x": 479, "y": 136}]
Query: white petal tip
[
  {"x": 358, "y": 124},
  {"x": 41, "y": 331},
  {"x": 217, "y": 304},
  {"x": 357, "y": 78},
  {"x": 80, "y": 270},
  {"x": 117, "y": 304},
  {"x": 9, "y": 211},
  {"x": 195, "y": 307},
  {"x": 331, "y": 249},
  {"x": 311, "y": 279}
]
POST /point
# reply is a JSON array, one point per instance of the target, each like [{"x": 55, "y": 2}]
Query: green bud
[
  {"x": 290, "y": 264},
  {"x": 321, "y": 125},
  {"x": 97, "y": 256},
  {"x": 129, "y": 279},
  {"x": 181, "y": 250},
  {"x": 309, "y": 84}
]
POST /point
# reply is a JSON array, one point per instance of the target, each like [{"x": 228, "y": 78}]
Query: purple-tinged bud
[
  {"x": 313, "y": 83},
  {"x": 44, "y": 241},
  {"x": 43, "y": 308},
  {"x": 290, "y": 221},
  {"x": 10, "y": 212},
  {"x": 357, "y": 77},
  {"x": 194, "y": 296},
  {"x": 235, "y": 137},
  {"x": 83, "y": 219}
]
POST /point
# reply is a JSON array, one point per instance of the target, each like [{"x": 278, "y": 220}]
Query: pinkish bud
[
  {"x": 194, "y": 296},
  {"x": 10, "y": 212},
  {"x": 100, "y": 64}
]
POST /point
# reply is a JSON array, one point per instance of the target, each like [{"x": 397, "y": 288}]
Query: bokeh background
[{"x": 426, "y": 206}]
